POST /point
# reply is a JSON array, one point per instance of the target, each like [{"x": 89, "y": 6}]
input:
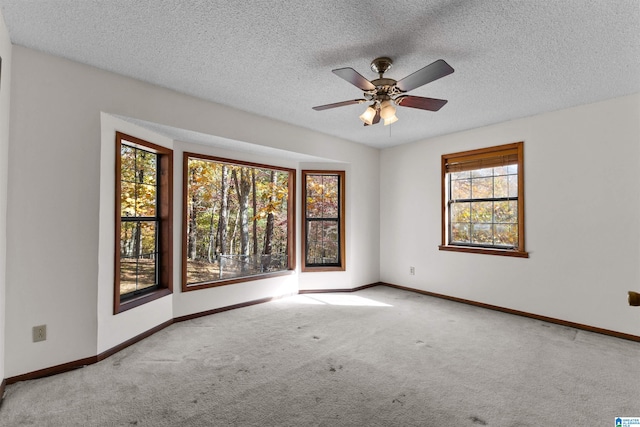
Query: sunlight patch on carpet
[{"x": 333, "y": 299}]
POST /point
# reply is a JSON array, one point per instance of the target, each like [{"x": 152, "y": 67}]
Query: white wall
[
  {"x": 5, "y": 86},
  {"x": 581, "y": 207},
  {"x": 58, "y": 270}
]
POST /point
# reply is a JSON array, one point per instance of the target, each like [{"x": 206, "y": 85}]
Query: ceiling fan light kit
[
  {"x": 385, "y": 92},
  {"x": 388, "y": 112},
  {"x": 387, "y": 109},
  {"x": 390, "y": 120},
  {"x": 368, "y": 115}
]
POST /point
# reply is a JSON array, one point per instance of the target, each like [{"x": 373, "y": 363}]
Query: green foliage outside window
[
  {"x": 236, "y": 220},
  {"x": 138, "y": 222},
  {"x": 483, "y": 201},
  {"x": 484, "y": 206},
  {"x": 323, "y": 220}
]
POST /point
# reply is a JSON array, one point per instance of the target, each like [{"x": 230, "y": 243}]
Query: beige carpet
[{"x": 377, "y": 357}]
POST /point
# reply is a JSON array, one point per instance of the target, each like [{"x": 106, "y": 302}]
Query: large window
[
  {"x": 143, "y": 222},
  {"x": 239, "y": 221},
  {"x": 483, "y": 201},
  {"x": 323, "y": 244}
]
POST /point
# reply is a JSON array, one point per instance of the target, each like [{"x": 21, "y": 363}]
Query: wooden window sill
[
  {"x": 317, "y": 269},
  {"x": 484, "y": 251},
  {"x": 142, "y": 299}
]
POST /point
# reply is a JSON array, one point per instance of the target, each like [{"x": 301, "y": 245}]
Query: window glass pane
[
  {"x": 506, "y": 186},
  {"x": 330, "y": 196},
  {"x": 482, "y": 212},
  {"x": 482, "y": 188},
  {"x": 128, "y": 239},
  {"x": 146, "y": 273},
  {"x": 506, "y": 212},
  {"x": 460, "y": 232},
  {"x": 128, "y": 275},
  {"x": 505, "y": 170},
  {"x": 500, "y": 170},
  {"x": 127, "y": 163},
  {"x": 314, "y": 196},
  {"x": 127, "y": 199},
  {"x": 513, "y": 186},
  {"x": 481, "y": 234},
  {"x": 322, "y": 196},
  {"x": 322, "y": 242},
  {"x": 138, "y": 184},
  {"x": 461, "y": 212},
  {"x": 236, "y": 220},
  {"x": 501, "y": 186},
  {"x": 137, "y": 238},
  {"x": 202, "y": 271},
  {"x": 148, "y": 239},
  {"x": 461, "y": 175},
  {"x": 145, "y": 200},
  {"x": 138, "y": 254},
  {"x": 460, "y": 189},
  {"x": 506, "y": 234},
  {"x": 479, "y": 173},
  {"x": 146, "y": 171}
]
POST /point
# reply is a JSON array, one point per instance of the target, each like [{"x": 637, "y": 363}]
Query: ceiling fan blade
[
  {"x": 431, "y": 104},
  {"x": 376, "y": 119},
  {"x": 355, "y": 78},
  {"x": 431, "y": 72},
  {"x": 339, "y": 104}
]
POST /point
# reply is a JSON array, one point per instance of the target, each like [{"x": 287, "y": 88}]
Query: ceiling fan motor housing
[
  {"x": 381, "y": 65},
  {"x": 385, "y": 88}
]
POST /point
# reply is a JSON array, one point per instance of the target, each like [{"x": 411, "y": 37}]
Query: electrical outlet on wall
[
  {"x": 412, "y": 270},
  {"x": 39, "y": 333}
]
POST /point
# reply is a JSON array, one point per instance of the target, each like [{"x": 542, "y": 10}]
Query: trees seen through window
[
  {"x": 238, "y": 221},
  {"x": 143, "y": 241},
  {"x": 483, "y": 201},
  {"x": 324, "y": 234}
]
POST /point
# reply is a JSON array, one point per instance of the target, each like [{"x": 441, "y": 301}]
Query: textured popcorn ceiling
[{"x": 512, "y": 58}]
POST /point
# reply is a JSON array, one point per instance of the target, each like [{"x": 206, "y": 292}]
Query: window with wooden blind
[{"x": 483, "y": 201}]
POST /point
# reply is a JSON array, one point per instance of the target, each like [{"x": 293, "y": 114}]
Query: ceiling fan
[{"x": 384, "y": 93}]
